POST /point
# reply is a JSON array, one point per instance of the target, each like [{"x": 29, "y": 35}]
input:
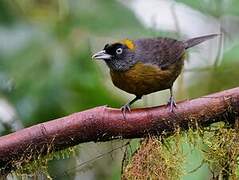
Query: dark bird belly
[{"x": 142, "y": 79}]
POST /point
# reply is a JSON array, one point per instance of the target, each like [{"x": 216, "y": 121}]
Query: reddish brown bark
[{"x": 104, "y": 124}]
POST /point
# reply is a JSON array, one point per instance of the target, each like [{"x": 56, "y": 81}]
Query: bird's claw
[
  {"x": 172, "y": 104},
  {"x": 124, "y": 109}
]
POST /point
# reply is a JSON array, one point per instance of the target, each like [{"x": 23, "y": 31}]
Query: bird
[{"x": 147, "y": 65}]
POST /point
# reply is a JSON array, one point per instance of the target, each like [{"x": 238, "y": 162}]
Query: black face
[
  {"x": 115, "y": 50},
  {"x": 117, "y": 56}
]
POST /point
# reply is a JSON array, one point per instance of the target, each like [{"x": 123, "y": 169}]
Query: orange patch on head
[{"x": 129, "y": 44}]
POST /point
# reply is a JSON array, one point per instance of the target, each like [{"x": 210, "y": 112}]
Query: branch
[{"x": 104, "y": 124}]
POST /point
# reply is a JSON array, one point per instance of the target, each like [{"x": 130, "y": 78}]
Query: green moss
[
  {"x": 219, "y": 146},
  {"x": 221, "y": 152},
  {"x": 164, "y": 158},
  {"x": 40, "y": 163}
]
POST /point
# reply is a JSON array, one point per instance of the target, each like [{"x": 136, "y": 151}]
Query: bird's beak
[{"x": 101, "y": 55}]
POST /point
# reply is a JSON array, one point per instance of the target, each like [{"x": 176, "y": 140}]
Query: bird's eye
[{"x": 119, "y": 51}]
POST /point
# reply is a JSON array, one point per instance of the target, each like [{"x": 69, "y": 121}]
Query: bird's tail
[{"x": 195, "y": 41}]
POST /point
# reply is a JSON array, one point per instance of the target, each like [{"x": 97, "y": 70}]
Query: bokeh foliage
[{"x": 49, "y": 72}]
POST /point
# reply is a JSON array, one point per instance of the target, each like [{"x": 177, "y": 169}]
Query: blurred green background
[{"x": 46, "y": 70}]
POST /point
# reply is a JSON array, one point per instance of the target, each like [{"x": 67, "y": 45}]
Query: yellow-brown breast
[{"x": 142, "y": 79}]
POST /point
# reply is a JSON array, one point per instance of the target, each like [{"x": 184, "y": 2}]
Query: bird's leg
[
  {"x": 126, "y": 107},
  {"x": 171, "y": 102}
]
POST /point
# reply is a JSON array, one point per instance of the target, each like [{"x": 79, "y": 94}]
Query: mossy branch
[{"x": 104, "y": 124}]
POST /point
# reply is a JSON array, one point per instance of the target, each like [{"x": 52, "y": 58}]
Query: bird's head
[{"x": 118, "y": 56}]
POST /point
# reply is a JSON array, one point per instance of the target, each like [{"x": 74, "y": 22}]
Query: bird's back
[{"x": 159, "y": 51}]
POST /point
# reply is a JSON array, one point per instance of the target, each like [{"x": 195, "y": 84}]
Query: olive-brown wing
[{"x": 159, "y": 51}]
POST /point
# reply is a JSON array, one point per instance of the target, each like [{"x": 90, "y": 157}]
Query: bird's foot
[
  {"x": 172, "y": 104},
  {"x": 124, "y": 109}
]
